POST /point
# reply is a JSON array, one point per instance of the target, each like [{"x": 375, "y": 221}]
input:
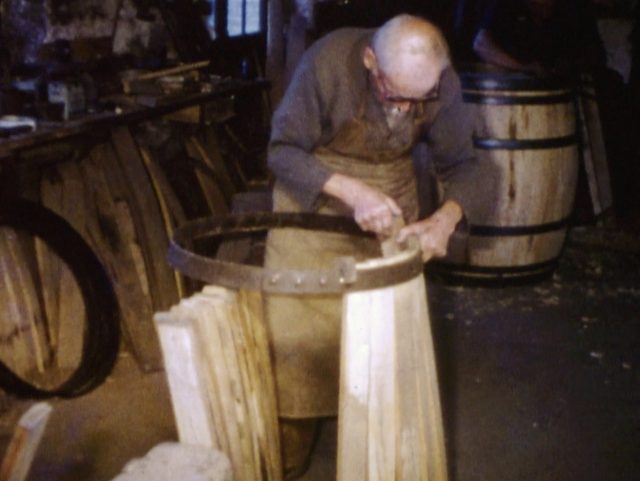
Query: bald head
[
  {"x": 409, "y": 36},
  {"x": 410, "y": 51}
]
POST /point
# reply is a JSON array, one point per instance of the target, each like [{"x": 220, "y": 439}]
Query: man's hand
[
  {"x": 434, "y": 232},
  {"x": 372, "y": 210}
]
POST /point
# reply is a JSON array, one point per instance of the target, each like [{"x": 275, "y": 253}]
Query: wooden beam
[
  {"x": 24, "y": 443},
  {"x": 594, "y": 154},
  {"x": 147, "y": 217}
]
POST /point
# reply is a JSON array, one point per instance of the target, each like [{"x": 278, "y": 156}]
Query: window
[{"x": 241, "y": 17}]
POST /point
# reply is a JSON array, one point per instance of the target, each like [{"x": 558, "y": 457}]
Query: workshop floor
[{"x": 539, "y": 382}]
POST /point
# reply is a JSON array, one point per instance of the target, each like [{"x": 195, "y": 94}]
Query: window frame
[{"x": 220, "y": 10}]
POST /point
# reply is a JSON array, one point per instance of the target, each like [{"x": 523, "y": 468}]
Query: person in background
[
  {"x": 341, "y": 144},
  {"x": 540, "y": 37}
]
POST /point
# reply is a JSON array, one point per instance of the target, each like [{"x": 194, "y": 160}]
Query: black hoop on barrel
[
  {"x": 102, "y": 335},
  {"x": 488, "y": 276},
  {"x": 513, "y": 82}
]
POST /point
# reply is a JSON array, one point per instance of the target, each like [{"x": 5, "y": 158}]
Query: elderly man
[{"x": 342, "y": 144}]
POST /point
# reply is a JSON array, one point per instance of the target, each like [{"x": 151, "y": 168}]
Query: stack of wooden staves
[{"x": 219, "y": 374}]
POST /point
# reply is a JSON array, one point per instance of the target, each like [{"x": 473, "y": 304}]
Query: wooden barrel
[
  {"x": 526, "y": 127},
  {"x": 389, "y": 414}
]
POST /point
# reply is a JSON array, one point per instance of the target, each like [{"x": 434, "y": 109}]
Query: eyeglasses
[{"x": 388, "y": 95}]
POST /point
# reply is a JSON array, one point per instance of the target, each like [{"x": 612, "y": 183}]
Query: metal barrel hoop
[
  {"x": 344, "y": 276},
  {"x": 102, "y": 338}
]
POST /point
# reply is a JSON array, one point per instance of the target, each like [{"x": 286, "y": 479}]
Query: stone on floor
[{"x": 171, "y": 461}]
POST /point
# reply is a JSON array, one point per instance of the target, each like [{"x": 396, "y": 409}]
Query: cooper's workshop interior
[{"x": 135, "y": 198}]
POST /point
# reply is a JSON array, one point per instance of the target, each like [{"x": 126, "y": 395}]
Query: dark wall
[
  {"x": 370, "y": 13},
  {"x": 64, "y": 12},
  {"x": 456, "y": 18},
  {"x": 24, "y": 29}
]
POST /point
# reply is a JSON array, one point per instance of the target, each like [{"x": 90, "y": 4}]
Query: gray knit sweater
[{"x": 327, "y": 90}]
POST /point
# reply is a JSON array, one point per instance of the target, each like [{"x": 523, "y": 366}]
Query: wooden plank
[
  {"x": 232, "y": 176},
  {"x": 275, "y": 60},
  {"x": 49, "y": 264},
  {"x": 156, "y": 74},
  {"x": 236, "y": 371},
  {"x": 410, "y": 438},
  {"x": 16, "y": 339},
  {"x": 182, "y": 360},
  {"x": 212, "y": 157},
  {"x": 382, "y": 383},
  {"x": 253, "y": 323},
  {"x": 206, "y": 175},
  {"x": 250, "y": 339},
  {"x": 19, "y": 250},
  {"x": 24, "y": 443},
  {"x": 594, "y": 154},
  {"x": 190, "y": 115},
  {"x": 211, "y": 326},
  {"x": 71, "y": 315},
  {"x": 237, "y": 350},
  {"x": 353, "y": 416},
  {"x": 114, "y": 239},
  {"x": 217, "y": 371},
  {"x": 390, "y": 424},
  {"x": 422, "y": 412},
  {"x": 147, "y": 218},
  {"x": 172, "y": 213}
]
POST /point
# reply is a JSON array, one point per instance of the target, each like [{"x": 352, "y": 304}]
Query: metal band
[
  {"x": 102, "y": 335},
  {"x": 522, "y": 269},
  {"x": 495, "y": 98},
  {"x": 346, "y": 275},
  {"x": 513, "y": 82},
  {"x": 493, "y": 276},
  {"x": 525, "y": 144},
  {"x": 517, "y": 230}
]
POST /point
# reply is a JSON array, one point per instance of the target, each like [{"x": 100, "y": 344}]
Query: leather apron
[{"x": 305, "y": 331}]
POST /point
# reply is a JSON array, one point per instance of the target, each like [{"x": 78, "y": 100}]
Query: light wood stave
[{"x": 390, "y": 421}]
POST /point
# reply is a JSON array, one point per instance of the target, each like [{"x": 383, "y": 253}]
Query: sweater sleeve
[
  {"x": 450, "y": 140},
  {"x": 296, "y": 131}
]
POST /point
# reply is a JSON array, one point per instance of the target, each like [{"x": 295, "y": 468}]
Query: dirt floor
[
  {"x": 91, "y": 437},
  {"x": 539, "y": 382},
  {"x": 542, "y": 382}
]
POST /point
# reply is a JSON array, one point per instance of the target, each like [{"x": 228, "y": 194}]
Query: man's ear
[{"x": 369, "y": 59}]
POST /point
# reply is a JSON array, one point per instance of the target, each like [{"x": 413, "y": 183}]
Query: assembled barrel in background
[{"x": 526, "y": 127}]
